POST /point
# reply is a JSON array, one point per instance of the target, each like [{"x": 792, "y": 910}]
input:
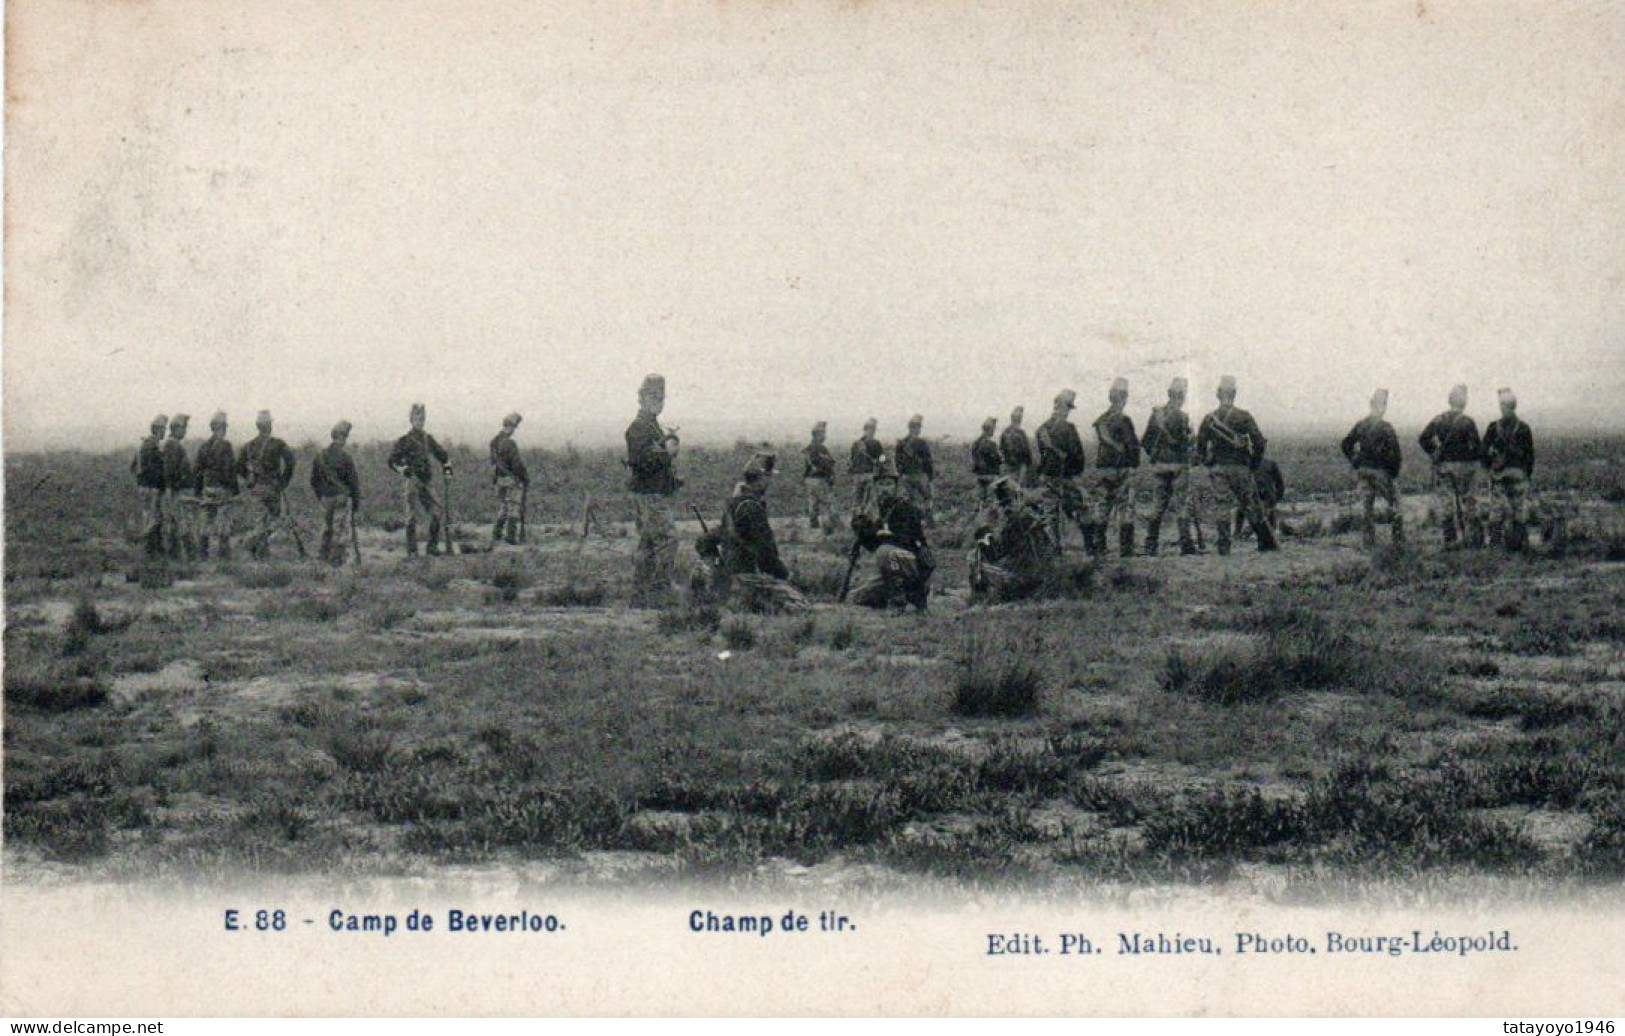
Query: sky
[{"x": 800, "y": 211}]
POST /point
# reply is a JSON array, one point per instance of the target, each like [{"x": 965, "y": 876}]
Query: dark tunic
[
  {"x": 1119, "y": 446},
  {"x": 148, "y": 464},
  {"x": 1373, "y": 445},
  {"x": 506, "y": 461},
  {"x": 333, "y": 473},
  {"x": 1060, "y": 449},
  {"x": 177, "y": 467},
  {"x": 820, "y": 462},
  {"x": 1229, "y": 435},
  {"x": 1509, "y": 444},
  {"x": 1168, "y": 436},
  {"x": 914, "y": 457},
  {"x": 865, "y": 457},
  {"x": 412, "y": 452},
  {"x": 647, "y": 458},
  {"x": 985, "y": 459},
  {"x": 748, "y": 545},
  {"x": 266, "y": 461},
  {"x": 216, "y": 466},
  {"x": 1016, "y": 447},
  {"x": 1452, "y": 437}
]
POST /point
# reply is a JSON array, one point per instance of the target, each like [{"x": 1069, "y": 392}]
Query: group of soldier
[
  {"x": 1029, "y": 491},
  {"x": 186, "y": 502}
]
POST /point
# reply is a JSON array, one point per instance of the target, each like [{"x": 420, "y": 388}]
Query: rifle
[
  {"x": 355, "y": 540},
  {"x": 445, "y": 509},
  {"x": 287, "y": 517},
  {"x": 851, "y": 566},
  {"x": 704, "y": 528},
  {"x": 524, "y": 509}
]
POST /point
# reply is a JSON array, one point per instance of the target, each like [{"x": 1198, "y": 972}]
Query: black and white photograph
[{"x": 1039, "y": 507}]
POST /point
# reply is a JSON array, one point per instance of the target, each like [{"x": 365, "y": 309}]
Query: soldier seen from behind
[
  {"x": 1016, "y": 450},
  {"x": 1270, "y": 485},
  {"x": 215, "y": 481},
  {"x": 1116, "y": 460},
  {"x": 337, "y": 485},
  {"x": 986, "y": 460},
  {"x": 511, "y": 478},
  {"x": 916, "y": 468},
  {"x": 414, "y": 458},
  {"x": 1061, "y": 464},
  {"x": 651, "y": 454},
  {"x": 744, "y": 554},
  {"x": 1451, "y": 441},
  {"x": 1168, "y": 452},
  {"x": 180, "y": 497},
  {"x": 818, "y": 479},
  {"x": 862, "y": 462},
  {"x": 893, "y": 537},
  {"x": 1509, "y": 454},
  {"x": 148, "y": 468},
  {"x": 1372, "y": 449},
  {"x": 1231, "y": 447},
  {"x": 266, "y": 465},
  {"x": 1014, "y": 556}
]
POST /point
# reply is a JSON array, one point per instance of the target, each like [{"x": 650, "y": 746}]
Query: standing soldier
[
  {"x": 1509, "y": 453},
  {"x": 266, "y": 464},
  {"x": 337, "y": 485},
  {"x": 179, "y": 501},
  {"x": 216, "y": 484},
  {"x": 862, "y": 464},
  {"x": 1230, "y": 445},
  {"x": 1451, "y": 441},
  {"x": 1017, "y": 450},
  {"x": 895, "y": 537},
  {"x": 748, "y": 565},
  {"x": 650, "y": 455},
  {"x": 1117, "y": 458},
  {"x": 1013, "y": 556},
  {"x": 1372, "y": 449},
  {"x": 510, "y": 476},
  {"x": 818, "y": 479},
  {"x": 914, "y": 465},
  {"x": 1060, "y": 464},
  {"x": 148, "y": 468},
  {"x": 986, "y": 461},
  {"x": 411, "y": 459},
  {"x": 1168, "y": 451}
]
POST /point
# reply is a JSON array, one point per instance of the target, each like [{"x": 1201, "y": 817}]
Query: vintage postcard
[{"x": 814, "y": 508}]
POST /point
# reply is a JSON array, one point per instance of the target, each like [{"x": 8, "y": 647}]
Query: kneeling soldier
[
  {"x": 337, "y": 485},
  {"x": 1014, "y": 556},
  {"x": 747, "y": 563},
  {"x": 1373, "y": 450},
  {"x": 1509, "y": 453},
  {"x": 510, "y": 477},
  {"x": 895, "y": 537}
]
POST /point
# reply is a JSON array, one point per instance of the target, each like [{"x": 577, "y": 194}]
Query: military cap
[
  {"x": 1379, "y": 397},
  {"x": 341, "y": 429},
  {"x": 760, "y": 466},
  {"x": 990, "y": 424},
  {"x": 1228, "y": 384},
  {"x": 1458, "y": 395},
  {"x": 1018, "y": 412},
  {"x": 1507, "y": 397},
  {"x": 179, "y": 420},
  {"x": 821, "y": 426},
  {"x": 1178, "y": 387},
  {"x": 218, "y": 420},
  {"x": 1067, "y": 398},
  {"x": 653, "y": 385},
  {"x": 916, "y": 421},
  {"x": 419, "y": 410},
  {"x": 1119, "y": 386},
  {"x": 263, "y": 417},
  {"x": 511, "y": 421},
  {"x": 871, "y": 424},
  {"x": 161, "y": 421}
]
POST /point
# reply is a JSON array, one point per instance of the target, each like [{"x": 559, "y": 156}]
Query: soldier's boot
[
  {"x": 1397, "y": 524},
  {"x": 496, "y": 532},
  {"x": 1153, "y": 533},
  {"x": 1092, "y": 544},
  {"x": 411, "y": 539},
  {"x": 1449, "y": 534},
  {"x": 433, "y": 549},
  {"x": 1517, "y": 535},
  {"x": 203, "y": 549},
  {"x": 513, "y": 533},
  {"x": 1125, "y": 540},
  {"x": 325, "y": 553},
  {"x": 1265, "y": 536},
  {"x": 1187, "y": 545}
]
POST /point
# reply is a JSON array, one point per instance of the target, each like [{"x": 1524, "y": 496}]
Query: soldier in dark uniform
[
  {"x": 148, "y": 468},
  {"x": 914, "y": 465},
  {"x": 1017, "y": 450},
  {"x": 1451, "y": 441},
  {"x": 748, "y": 568},
  {"x": 895, "y": 538},
  {"x": 215, "y": 471},
  {"x": 1231, "y": 447},
  {"x": 986, "y": 460},
  {"x": 861, "y": 465},
  {"x": 413, "y": 458},
  {"x": 818, "y": 479},
  {"x": 1061, "y": 463},
  {"x": 510, "y": 477},
  {"x": 1168, "y": 452},
  {"x": 266, "y": 464},
  {"x": 1116, "y": 460},
  {"x": 1509, "y": 454},
  {"x": 337, "y": 485},
  {"x": 180, "y": 500},
  {"x": 651, "y": 453},
  {"x": 1014, "y": 556},
  {"x": 1372, "y": 449}
]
